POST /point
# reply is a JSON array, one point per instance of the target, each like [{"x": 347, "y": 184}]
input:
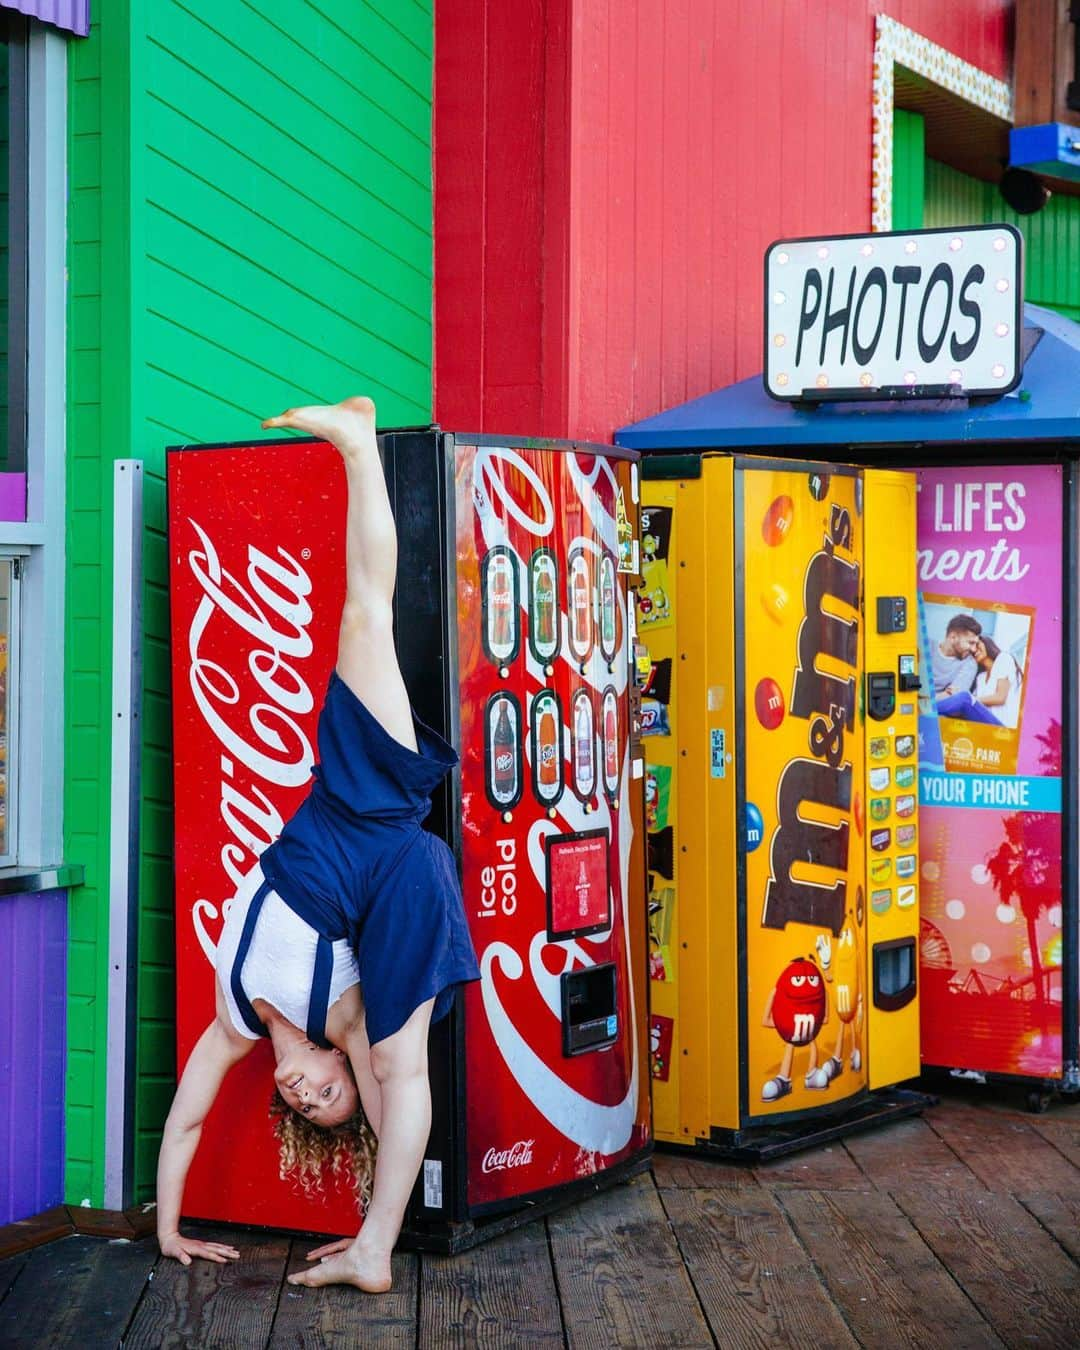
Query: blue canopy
[{"x": 1044, "y": 407}]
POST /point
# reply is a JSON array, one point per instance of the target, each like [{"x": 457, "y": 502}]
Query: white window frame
[
  {"x": 9, "y": 844},
  {"x": 38, "y": 715}
]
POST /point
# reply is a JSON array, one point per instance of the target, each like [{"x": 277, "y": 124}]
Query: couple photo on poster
[{"x": 972, "y": 705}]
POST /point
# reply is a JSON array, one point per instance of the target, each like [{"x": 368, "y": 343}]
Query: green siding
[
  {"x": 952, "y": 198},
  {"x": 97, "y": 300},
  {"x": 1051, "y": 236},
  {"x": 909, "y": 169},
  {"x": 273, "y": 177}
]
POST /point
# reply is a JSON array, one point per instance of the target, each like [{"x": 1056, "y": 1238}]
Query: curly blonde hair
[{"x": 308, "y": 1150}]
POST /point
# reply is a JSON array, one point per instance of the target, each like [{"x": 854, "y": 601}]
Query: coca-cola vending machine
[{"x": 515, "y": 629}]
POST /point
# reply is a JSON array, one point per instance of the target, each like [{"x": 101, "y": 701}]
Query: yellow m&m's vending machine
[{"x": 777, "y": 623}]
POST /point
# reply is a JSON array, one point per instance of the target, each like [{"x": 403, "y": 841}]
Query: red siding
[
  {"x": 605, "y": 261},
  {"x": 496, "y": 73}
]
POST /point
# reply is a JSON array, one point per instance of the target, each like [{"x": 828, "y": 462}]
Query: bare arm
[
  {"x": 999, "y": 695},
  {"x": 216, "y": 1051}
]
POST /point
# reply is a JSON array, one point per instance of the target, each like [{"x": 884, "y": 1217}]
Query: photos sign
[{"x": 908, "y": 314}]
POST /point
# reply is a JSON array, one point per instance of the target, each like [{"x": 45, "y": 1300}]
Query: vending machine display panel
[{"x": 578, "y": 898}]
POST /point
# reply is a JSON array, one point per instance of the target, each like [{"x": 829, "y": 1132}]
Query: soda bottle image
[
  {"x": 503, "y": 756},
  {"x": 583, "y": 887},
  {"x": 546, "y": 744},
  {"x": 584, "y": 770},
  {"x": 500, "y": 606},
  {"x": 544, "y": 607},
  {"x": 611, "y": 742},
  {"x": 607, "y": 606},
  {"x": 580, "y": 606}
]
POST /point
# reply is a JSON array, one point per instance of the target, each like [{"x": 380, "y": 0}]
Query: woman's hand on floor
[
  {"x": 331, "y": 1249},
  {"x": 182, "y": 1249}
]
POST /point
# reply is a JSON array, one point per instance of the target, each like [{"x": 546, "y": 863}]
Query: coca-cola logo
[
  {"x": 261, "y": 739},
  {"x": 517, "y": 1155}
]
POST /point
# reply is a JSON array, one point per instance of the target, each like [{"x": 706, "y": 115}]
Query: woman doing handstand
[{"x": 349, "y": 936}]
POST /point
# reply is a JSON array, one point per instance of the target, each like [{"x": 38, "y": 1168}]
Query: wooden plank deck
[{"x": 961, "y": 1228}]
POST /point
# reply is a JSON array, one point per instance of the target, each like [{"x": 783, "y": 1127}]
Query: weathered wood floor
[{"x": 959, "y": 1229}]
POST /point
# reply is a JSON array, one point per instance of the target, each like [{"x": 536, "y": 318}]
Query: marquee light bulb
[
  {"x": 779, "y": 297},
  {"x": 956, "y": 377},
  {"x": 1002, "y": 330},
  {"x": 1001, "y": 285},
  {"x": 823, "y": 253},
  {"x": 866, "y": 250},
  {"x": 822, "y": 381},
  {"x": 956, "y": 244},
  {"x": 999, "y": 244},
  {"x": 779, "y": 340},
  {"x": 781, "y": 258},
  {"x": 910, "y": 377},
  {"x": 782, "y": 380},
  {"x": 911, "y": 246},
  {"x": 866, "y": 379},
  {"x": 997, "y": 371}
]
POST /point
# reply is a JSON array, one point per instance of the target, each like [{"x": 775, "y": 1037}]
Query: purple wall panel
[
  {"x": 71, "y": 15},
  {"x": 12, "y": 496},
  {"x": 33, "y": 984}
]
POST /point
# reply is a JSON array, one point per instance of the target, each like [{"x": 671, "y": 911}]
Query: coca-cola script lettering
[
  {"x": 261, "y": 739},
  {"x": 517, "y": 1155}
]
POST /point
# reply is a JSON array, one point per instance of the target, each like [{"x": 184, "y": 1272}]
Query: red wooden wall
[{"x": 608, "y": 174}]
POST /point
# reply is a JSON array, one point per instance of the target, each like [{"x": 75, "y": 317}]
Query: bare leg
[
  {"x": 367, "y": 658},
  {"x": 393, "y": 1082},
  {"x": 399, "y": 1063}
]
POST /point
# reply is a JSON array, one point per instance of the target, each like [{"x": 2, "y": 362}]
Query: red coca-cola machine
[{"x": 515, "y": 631}]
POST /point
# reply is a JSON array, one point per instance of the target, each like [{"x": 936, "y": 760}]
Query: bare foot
[
  {"x": 359, "y": 1266},
  {"x": 350, "y": 425}
]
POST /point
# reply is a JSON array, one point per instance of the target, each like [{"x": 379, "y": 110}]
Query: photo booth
[{"x": 995, "y": 540}]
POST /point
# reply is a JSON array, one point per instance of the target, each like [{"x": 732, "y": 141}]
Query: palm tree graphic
[{"x": 1026, "y": 866}]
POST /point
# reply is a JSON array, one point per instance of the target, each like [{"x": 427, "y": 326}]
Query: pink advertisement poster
[{"x": 990, "y": 614}]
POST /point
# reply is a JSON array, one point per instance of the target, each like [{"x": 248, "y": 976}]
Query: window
[
  {"x": 13, "y": 240},
  {"x": 33, "y": 350},
  {"x": 9, "y": 675}
]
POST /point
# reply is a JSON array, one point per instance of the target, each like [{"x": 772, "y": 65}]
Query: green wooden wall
[
  {"x": 250, "y": 227},
  {"x": 909, "y": 170},
  {"x": 1051, "y": 236}
]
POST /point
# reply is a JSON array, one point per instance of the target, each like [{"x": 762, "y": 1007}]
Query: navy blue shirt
[{"x": 355, "y": 862}]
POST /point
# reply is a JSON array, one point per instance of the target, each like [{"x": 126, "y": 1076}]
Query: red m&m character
[{"x": 798, "y": 1003}]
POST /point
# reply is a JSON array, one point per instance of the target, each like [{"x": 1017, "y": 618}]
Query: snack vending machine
[
  {"x": 777, "y": 609},
  {"x": 515, "y": 637}
]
